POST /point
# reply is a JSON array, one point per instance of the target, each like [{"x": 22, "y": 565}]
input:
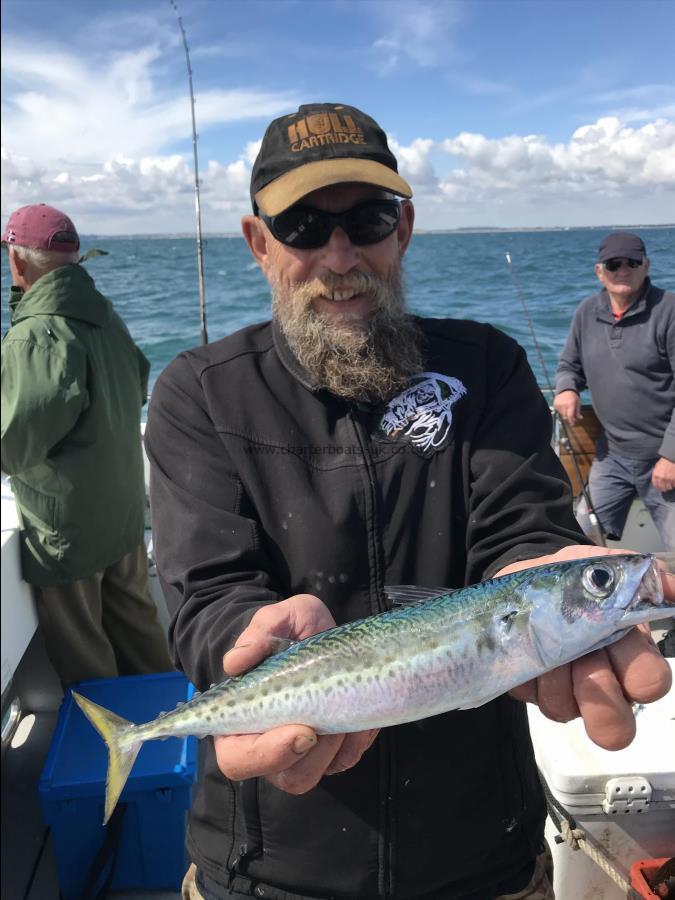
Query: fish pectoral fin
[
  {"x": 277, "y": 644},
  {"x": 481, "y": 701},
  {"x": 405, "y": 594}
]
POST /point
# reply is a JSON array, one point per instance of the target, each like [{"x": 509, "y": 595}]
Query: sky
[{"x": 502, "y": 113}]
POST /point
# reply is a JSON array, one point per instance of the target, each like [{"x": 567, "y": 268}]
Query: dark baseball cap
[
  {"x": 622, "y": 244},
  {"x": 319, "y": 145},
  {"x": 41, "y": 227}
]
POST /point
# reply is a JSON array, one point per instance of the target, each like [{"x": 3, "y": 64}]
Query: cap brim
[
  {"x": 290, "y": 187},
  {"x": 622, "y": 253},
  {"x": 637, "y": 255}
]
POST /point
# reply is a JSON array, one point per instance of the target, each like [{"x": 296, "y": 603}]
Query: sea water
[{"x": 153, "y": 284}]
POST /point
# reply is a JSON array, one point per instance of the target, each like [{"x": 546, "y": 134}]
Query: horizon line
[{"x": 182, "y": 235}]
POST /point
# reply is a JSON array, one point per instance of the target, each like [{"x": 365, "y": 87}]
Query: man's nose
[{"x": 339, "y": 254}]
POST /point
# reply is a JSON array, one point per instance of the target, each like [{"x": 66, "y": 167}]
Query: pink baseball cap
[{"x": 41, "y": 227}]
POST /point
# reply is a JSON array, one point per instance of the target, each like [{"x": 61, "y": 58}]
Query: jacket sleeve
[
  {"x": 207, "y": 544},
  {"x": 520, "y": 500},
  {"x": 44, "y": 392},
  {"x": 570, "y": 374},
  {"x": 667, "y": 448}
]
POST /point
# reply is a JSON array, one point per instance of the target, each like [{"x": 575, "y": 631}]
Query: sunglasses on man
[
  {"x": 306, "y": 228},
  {"x": 613, "y": 265}
]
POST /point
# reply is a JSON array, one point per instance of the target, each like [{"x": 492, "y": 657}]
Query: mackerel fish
[{"x": 434, "y": 651}]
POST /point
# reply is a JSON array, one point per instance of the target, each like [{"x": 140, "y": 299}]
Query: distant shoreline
[{"x": 477, "y": 230}]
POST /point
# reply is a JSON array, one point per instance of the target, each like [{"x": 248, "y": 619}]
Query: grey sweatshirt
[{"x": 629, "y": 368}]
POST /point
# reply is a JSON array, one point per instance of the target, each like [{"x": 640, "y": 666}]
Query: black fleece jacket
[{"x": 264, "y": 486}]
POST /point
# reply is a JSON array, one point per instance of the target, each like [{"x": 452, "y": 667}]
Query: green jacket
[{"x": 73, "y": 384}]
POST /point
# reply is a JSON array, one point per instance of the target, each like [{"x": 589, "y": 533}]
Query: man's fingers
[
  {"x": 643, "y": 673},
  {"x": 555, "y": 694},
  {"x": 292, "y": 757},
  {"x": 252, "y": 647},
  {"x": 291, "y": 620},
  {"x": 352, "y": 749},
  {"x": 526, "y": 692},
  {"x": 242, "y": 756},
  {"x": 608, "y": 716},
  {"x": 306, "y": 772}
]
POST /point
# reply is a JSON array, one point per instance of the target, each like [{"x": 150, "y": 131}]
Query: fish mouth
[{"x": 648, "y": 596}]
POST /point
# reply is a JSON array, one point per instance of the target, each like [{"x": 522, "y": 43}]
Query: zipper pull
[{"x": 236, "y": 865}]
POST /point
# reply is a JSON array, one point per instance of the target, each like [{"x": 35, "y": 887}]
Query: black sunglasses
[
  {"x": 613, "y": 265},
  {"x": 307, "y": 228}
]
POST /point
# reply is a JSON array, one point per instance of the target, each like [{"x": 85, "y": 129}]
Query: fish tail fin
[{"x": 120, "y": 760}]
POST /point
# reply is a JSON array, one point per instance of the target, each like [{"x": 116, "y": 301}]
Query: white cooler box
[{"x": 624, "y": 800}]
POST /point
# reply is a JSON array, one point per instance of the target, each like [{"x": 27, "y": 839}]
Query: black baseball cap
[
  {"x": 622, "y": 244},
  {"x": 319, "y": 145}
]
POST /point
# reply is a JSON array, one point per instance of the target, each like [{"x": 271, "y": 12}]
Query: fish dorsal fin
[{"x": 407, "y": 594}]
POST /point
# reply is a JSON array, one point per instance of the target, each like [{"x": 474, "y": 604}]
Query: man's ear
[
  {"x": 599, "y": 271},
  {"x": 405, "y": 225},
  {"x": 255, "y": 235},
  {"x": 19, "y": 264}
]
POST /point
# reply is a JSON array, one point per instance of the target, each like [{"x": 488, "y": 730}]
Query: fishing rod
[
  {"x": 200, "y": 250},
  {"x": 595, "y": 524}
]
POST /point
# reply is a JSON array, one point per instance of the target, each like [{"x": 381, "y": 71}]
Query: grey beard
[{"x": 364, "y": 361}]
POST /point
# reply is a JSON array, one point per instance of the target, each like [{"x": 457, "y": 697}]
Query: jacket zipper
[{"x": 385, "y": 849}]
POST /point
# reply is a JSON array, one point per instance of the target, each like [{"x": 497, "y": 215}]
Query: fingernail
[
  {"x": 303, "y": 743},
  {"x": 238, "y": 647}
]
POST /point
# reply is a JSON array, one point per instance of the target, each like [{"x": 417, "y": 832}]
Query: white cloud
[
  {"x": 420, "y": 33},
  {"x": 91, "y": 111},
  {"x": 606, "y": 171},
  {"x": 154, "y": 193},
  {"x": 96, "y": 137},
  {"x": 252, "y": 150},
  {"x": 414, "y": 163},
  {"x": 601, "y": 158}
]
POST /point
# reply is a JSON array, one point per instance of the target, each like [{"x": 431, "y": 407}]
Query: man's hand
[
  {"x": 293, "y": 757},
  {"x": 601, "y": 686},
  {"x": 663, "y": 475},
  {"x": 568, "y": 405}
]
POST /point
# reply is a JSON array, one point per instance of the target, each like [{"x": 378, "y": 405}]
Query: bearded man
[{"x": 298, "y": 467}]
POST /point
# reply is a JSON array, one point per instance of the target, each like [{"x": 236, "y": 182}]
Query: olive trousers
[{"x": 105, "y": 625}]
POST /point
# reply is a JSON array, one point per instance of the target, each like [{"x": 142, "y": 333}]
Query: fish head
[
  {"x": 597, "y": 601},
  {"x": 623, "y": 590}
]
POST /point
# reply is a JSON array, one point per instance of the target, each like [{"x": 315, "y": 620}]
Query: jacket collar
[
  {"x": 290, "y": 361},
  {"x": 603, "y": 307},
  {"x": 68, "y": 291}
]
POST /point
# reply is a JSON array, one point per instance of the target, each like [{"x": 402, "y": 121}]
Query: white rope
[{"x": 577, "y": 839}]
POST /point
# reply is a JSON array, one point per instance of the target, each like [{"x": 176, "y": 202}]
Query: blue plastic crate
[{"x": 151, "y": 850}]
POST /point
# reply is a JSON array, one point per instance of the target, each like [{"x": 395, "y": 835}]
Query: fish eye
[{"x": 598, "y": 579}]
